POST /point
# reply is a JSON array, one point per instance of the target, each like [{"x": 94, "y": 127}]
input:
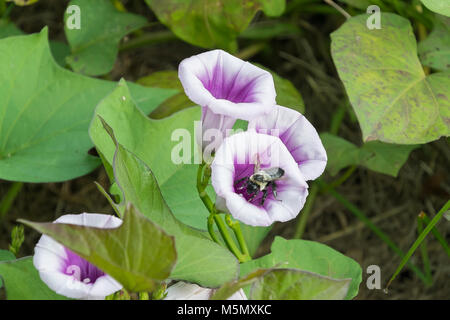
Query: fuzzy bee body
[{"x": 260, "y": 181}]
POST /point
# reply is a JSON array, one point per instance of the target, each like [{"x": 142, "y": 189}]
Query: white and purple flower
[
  {"x": 227, "y": 88},
  {"x": 299, "y": 136},
  {"x": 67, "y": 273},
  {"x": 191, "y": 291},
  {"x": 235, "y": 161}
]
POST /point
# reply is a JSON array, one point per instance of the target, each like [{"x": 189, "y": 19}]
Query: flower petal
[
  {"x": 51, "y": 259},
  {"x": 235, "y": 160},
  {"x": 227, "y": 85},
  {"x": 299, "y": 136}
]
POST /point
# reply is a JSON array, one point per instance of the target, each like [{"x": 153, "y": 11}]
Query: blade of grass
[
  {"x": 424, "y": 251},
  {"x": 436, "y": 233},
  {"x": 361, "y": 216},
  {"x": 419, "y": 240},
  {"x": 8, "y": 199},
  {"x": 301, "y": 225}
]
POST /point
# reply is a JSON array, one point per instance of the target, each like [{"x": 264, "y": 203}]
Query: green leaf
[
  {"x": 212, "y": 23},
  {"x": 438, "y": 6},
  {"x": 434, "y": 51},
  {"x": 309, "y": 256},
  {"x": 393, "y": 99},
  {"x": 229, "y": 288},
  {"x": 292, "y": 284},
  {"x": 167, "y": 80},
  {"x": 286, "y": 284},
  {"x": 123, "y": 253},
  {"x": 6, "y": 255},
  {"x": 46, "y": 110},
  {"x": 151, "y": 141},
  {"x": 60, "y": 51},
  {"x": 95, "y": 45},
  {"x": 22, "y": 281},
  {"x": 8, "y": 29},
  {"x": 195, "y": 250},
  {"x": 377, "y": 156}
]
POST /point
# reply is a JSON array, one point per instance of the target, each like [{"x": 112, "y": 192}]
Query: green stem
[
  {"x": 9, "y": 198},
  {"x": 236, "y": 227},
  {"x": 336, "y": 183},
  {"x": 304, "y": 215},
  {"x": 337, "y": 119},
  {"x": 361, "y": 216},
  {"x": 203, "y": 175},
  {"x": 211, "y": 231},
  {"x": 419, "y": 240},
  {"x": 228, "y": 239},
  {"x": 148, "y": 39}
]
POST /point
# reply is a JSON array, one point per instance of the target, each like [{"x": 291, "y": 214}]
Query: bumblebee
[{"x": 260, "y": 181}]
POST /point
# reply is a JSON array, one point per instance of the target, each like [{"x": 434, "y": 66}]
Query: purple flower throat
[{"x": 81, "y": 269}]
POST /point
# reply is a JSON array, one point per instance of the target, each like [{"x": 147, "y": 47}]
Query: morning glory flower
[
  {"x": 227, "y": 88},
  {"x": 191, "y": 291},
  {"x": 67, "y": 273},
  {"x": 299, "y": 136},
  {"x": 237, "y": 159}
]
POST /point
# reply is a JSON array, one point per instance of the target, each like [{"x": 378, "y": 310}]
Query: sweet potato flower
[
  {"x": 67, "y": 273},
  {"x": 257, "y": 180},
  {"x": 226, "y": 88},
  {"x": 299, "y": 136},
  {"x": 191, "y": 291}
]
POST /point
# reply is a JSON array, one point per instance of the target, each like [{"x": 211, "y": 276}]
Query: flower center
[
  {"x": 249, "y": 190},
  {"x": 81, "y": 269}
]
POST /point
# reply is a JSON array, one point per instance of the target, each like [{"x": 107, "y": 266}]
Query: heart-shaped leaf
[
  {"x": 95, "y": 44},
  {"x": 381, "y": 157},
  {"x": 435, "y": 49},
  {"x": 286, "y": 284},
  {"x": 394, "y": 100},
  {"x": 124, "y": 253},
  {"x": 292, "y": 284},
  {"x": 309, "y": 256},
  {"x": 46, "y": 110},
  {"x": 438, "y": 6},
  {"x": 212, "y": 23}
]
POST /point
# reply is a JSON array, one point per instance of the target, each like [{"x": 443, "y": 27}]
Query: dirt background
[{"x": 391, "y": 203}]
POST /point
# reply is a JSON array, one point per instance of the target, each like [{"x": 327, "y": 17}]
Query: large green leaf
[
  {"x": 292, "y": 284},
  {"x": 438, "y": 6},
  {"x": 309, "y": 256},
  {"x": 45, "y": 112},
  {"x": 22, "y": 281},
  {"x": 381, "y": 157},
  {"x": 95, "y": 45},
  {"x": 212, "y": 23},
  {"x": 133, "y": 176},
  {"x": 123, "y": 253},
  {"x": 392, "y": 97},
  {"x": 435, "y": 49},
  {"x": 150, "y": 140},
  {"x": 286, "y": 284}
]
